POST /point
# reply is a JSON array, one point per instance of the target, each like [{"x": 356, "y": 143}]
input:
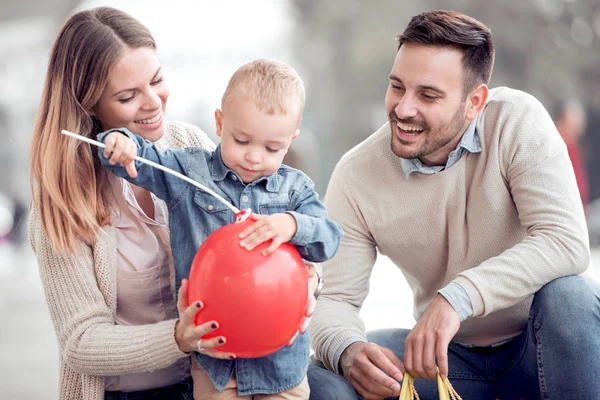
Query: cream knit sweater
[
  {"x": 501, "y": 223},
  {"x": 82, "y": 297}
]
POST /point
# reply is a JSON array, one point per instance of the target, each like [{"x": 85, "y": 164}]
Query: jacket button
[{"x": 210, "y": 207}]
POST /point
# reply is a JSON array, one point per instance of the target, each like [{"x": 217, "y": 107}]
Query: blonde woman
[{"x": 102, "y": 244}]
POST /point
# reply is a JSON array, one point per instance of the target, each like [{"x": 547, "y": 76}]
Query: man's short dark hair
[{"x": 452, "y": 29}]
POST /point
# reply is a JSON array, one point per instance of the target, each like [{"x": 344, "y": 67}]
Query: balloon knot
[{"x": 242, "y": 215}]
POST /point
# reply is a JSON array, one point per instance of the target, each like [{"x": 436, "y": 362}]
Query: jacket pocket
[
  {"x": 212, "y": 213},
  {"x": 268, "y": 209}
]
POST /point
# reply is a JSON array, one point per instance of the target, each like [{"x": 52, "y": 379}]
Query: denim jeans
[
  {"x": 183, "y": 390},
  {"x": 556, "y": 357}
]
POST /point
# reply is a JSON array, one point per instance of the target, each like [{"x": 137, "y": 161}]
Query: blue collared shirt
[
  {"x": 453, "y": 292},
  {"x": 195, "y": 214}
]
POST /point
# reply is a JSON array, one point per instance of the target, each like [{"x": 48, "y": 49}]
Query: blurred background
[{"x": 343, "y": 49}]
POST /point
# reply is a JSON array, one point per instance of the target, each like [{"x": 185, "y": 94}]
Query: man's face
[{"x": 424, "y": 102}]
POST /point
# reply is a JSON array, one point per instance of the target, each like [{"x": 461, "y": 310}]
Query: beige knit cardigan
[{"x": 81, "y": 293}]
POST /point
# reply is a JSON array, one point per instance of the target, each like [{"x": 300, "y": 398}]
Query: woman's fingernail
[
  {"x": 232, "y": 357},
  {"x": 198, "y": 304},
  {"x": 243, "y": 244},
  {"x": 221, "y": 340},
  {"x": 213, "y": 325}
]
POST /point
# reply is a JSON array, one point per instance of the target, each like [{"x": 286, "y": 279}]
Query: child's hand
[
  {"x": 123, "y": 150},
  {"x": 279, "y": 227}
]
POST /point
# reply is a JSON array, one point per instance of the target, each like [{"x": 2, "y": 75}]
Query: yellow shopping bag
[{"x": 445, "y": 389}]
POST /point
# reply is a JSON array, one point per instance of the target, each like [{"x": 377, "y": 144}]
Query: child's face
[{"x": 254, "y": 143}]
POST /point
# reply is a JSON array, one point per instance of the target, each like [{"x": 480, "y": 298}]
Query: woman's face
[{"x": 135, "y": 96}]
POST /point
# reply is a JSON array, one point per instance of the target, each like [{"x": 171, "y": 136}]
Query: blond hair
[
  {"x": 273, "y": 85},
  {"x": 69, "y": 186}
]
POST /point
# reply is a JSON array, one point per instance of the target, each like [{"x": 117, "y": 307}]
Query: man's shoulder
[
  {"x": 506, "y": 97},
  {"x": 510, "y": 111},
  {"x": 514, "y": 121},
  {"x": 375, "y": 147}
]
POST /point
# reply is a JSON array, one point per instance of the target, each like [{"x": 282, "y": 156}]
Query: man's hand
[
  {"x": 373, "y": 371},
  {"x": 429, "y": 340},
  {"x": 280, "y": 228}
]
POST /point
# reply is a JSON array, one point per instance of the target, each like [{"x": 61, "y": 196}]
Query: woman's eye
[
  {"x": 127, "y": 100},
  {"x": 156, "y": 82}
]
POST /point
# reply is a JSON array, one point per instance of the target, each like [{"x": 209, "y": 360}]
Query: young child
[{"x": 260, "y": 114}]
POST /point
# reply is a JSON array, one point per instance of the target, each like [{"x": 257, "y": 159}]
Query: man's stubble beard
[{"x": 429, "y": 146}]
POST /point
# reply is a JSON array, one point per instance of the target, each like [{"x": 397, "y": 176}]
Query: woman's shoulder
[{"x": 181, "y": 134}]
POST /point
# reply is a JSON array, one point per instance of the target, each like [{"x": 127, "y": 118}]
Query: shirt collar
[
  {"x": 220, "y": 171},
  {"x": 469, "y": 142}
]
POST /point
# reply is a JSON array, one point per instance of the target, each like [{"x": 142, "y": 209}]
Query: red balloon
[{"x": 259, "y": 301}]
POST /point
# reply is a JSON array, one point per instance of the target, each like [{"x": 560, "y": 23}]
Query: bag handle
[{"x": 445, "y": 389}]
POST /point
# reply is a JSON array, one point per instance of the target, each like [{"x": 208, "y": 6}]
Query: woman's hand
[
  {"x": 121, "y": 150},
  {"x": 313, "y": 281},
  {"x": 188, "y": 336}
]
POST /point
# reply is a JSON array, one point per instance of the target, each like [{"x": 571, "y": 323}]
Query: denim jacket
[{"x": 195, "y": 214}]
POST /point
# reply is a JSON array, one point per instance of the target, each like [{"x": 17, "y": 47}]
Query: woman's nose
[{"x": 153, "y": 100}]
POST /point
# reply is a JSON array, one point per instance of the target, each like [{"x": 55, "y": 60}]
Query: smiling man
[{"x": 477, "y": 204}]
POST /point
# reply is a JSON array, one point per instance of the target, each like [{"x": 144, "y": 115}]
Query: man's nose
[{"x": 406, "y": 107}]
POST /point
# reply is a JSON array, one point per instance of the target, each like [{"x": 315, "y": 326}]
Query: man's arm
[
  {"x": 540, "y": 177},
  {"x": 336, "y": 323},
  {"x": 162, "y": 184},
  {"x": 337, "y": 331}
]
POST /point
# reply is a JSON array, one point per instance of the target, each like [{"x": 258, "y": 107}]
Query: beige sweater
[
  {"x": 501, "y": 223},
  {"x": 82, "y": 297}
]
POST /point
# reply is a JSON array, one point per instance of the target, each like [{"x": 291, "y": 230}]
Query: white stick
[{"x": 155, "y": 165}]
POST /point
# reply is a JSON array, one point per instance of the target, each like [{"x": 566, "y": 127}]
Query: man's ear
[
  {"x": 477, "y": 99},
  {"x": 219, "y": 121}
]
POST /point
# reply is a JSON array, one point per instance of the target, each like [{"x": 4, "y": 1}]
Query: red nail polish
[
  {"x": 213, "y": 325},
  {"x": 198, "y": 304},
  {"x": 221, "y": 340}
]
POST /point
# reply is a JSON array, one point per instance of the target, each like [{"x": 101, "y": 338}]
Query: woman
[{"x": 102, "y": 244}]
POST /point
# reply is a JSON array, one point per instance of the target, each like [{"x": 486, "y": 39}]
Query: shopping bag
[{"x": 445, "y": 389}]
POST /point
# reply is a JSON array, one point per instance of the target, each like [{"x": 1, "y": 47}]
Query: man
[{"x": 471, "y": 193}]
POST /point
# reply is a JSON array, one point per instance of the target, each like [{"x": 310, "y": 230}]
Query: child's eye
[
  {"x": 270, "y": 150},
  {"x": 240, "y": 141}
]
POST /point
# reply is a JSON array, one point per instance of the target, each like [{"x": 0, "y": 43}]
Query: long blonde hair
[{"x": 69, "y": 187}]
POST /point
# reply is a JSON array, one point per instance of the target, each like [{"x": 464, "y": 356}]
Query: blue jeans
[
  {"x": 556, "y": 357},
  {"x": 183, "y": 390}
]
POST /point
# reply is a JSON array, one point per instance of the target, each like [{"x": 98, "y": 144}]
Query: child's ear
[
  {"x": 296, "y": 134},
  {"x": 218, "y": 121}
]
